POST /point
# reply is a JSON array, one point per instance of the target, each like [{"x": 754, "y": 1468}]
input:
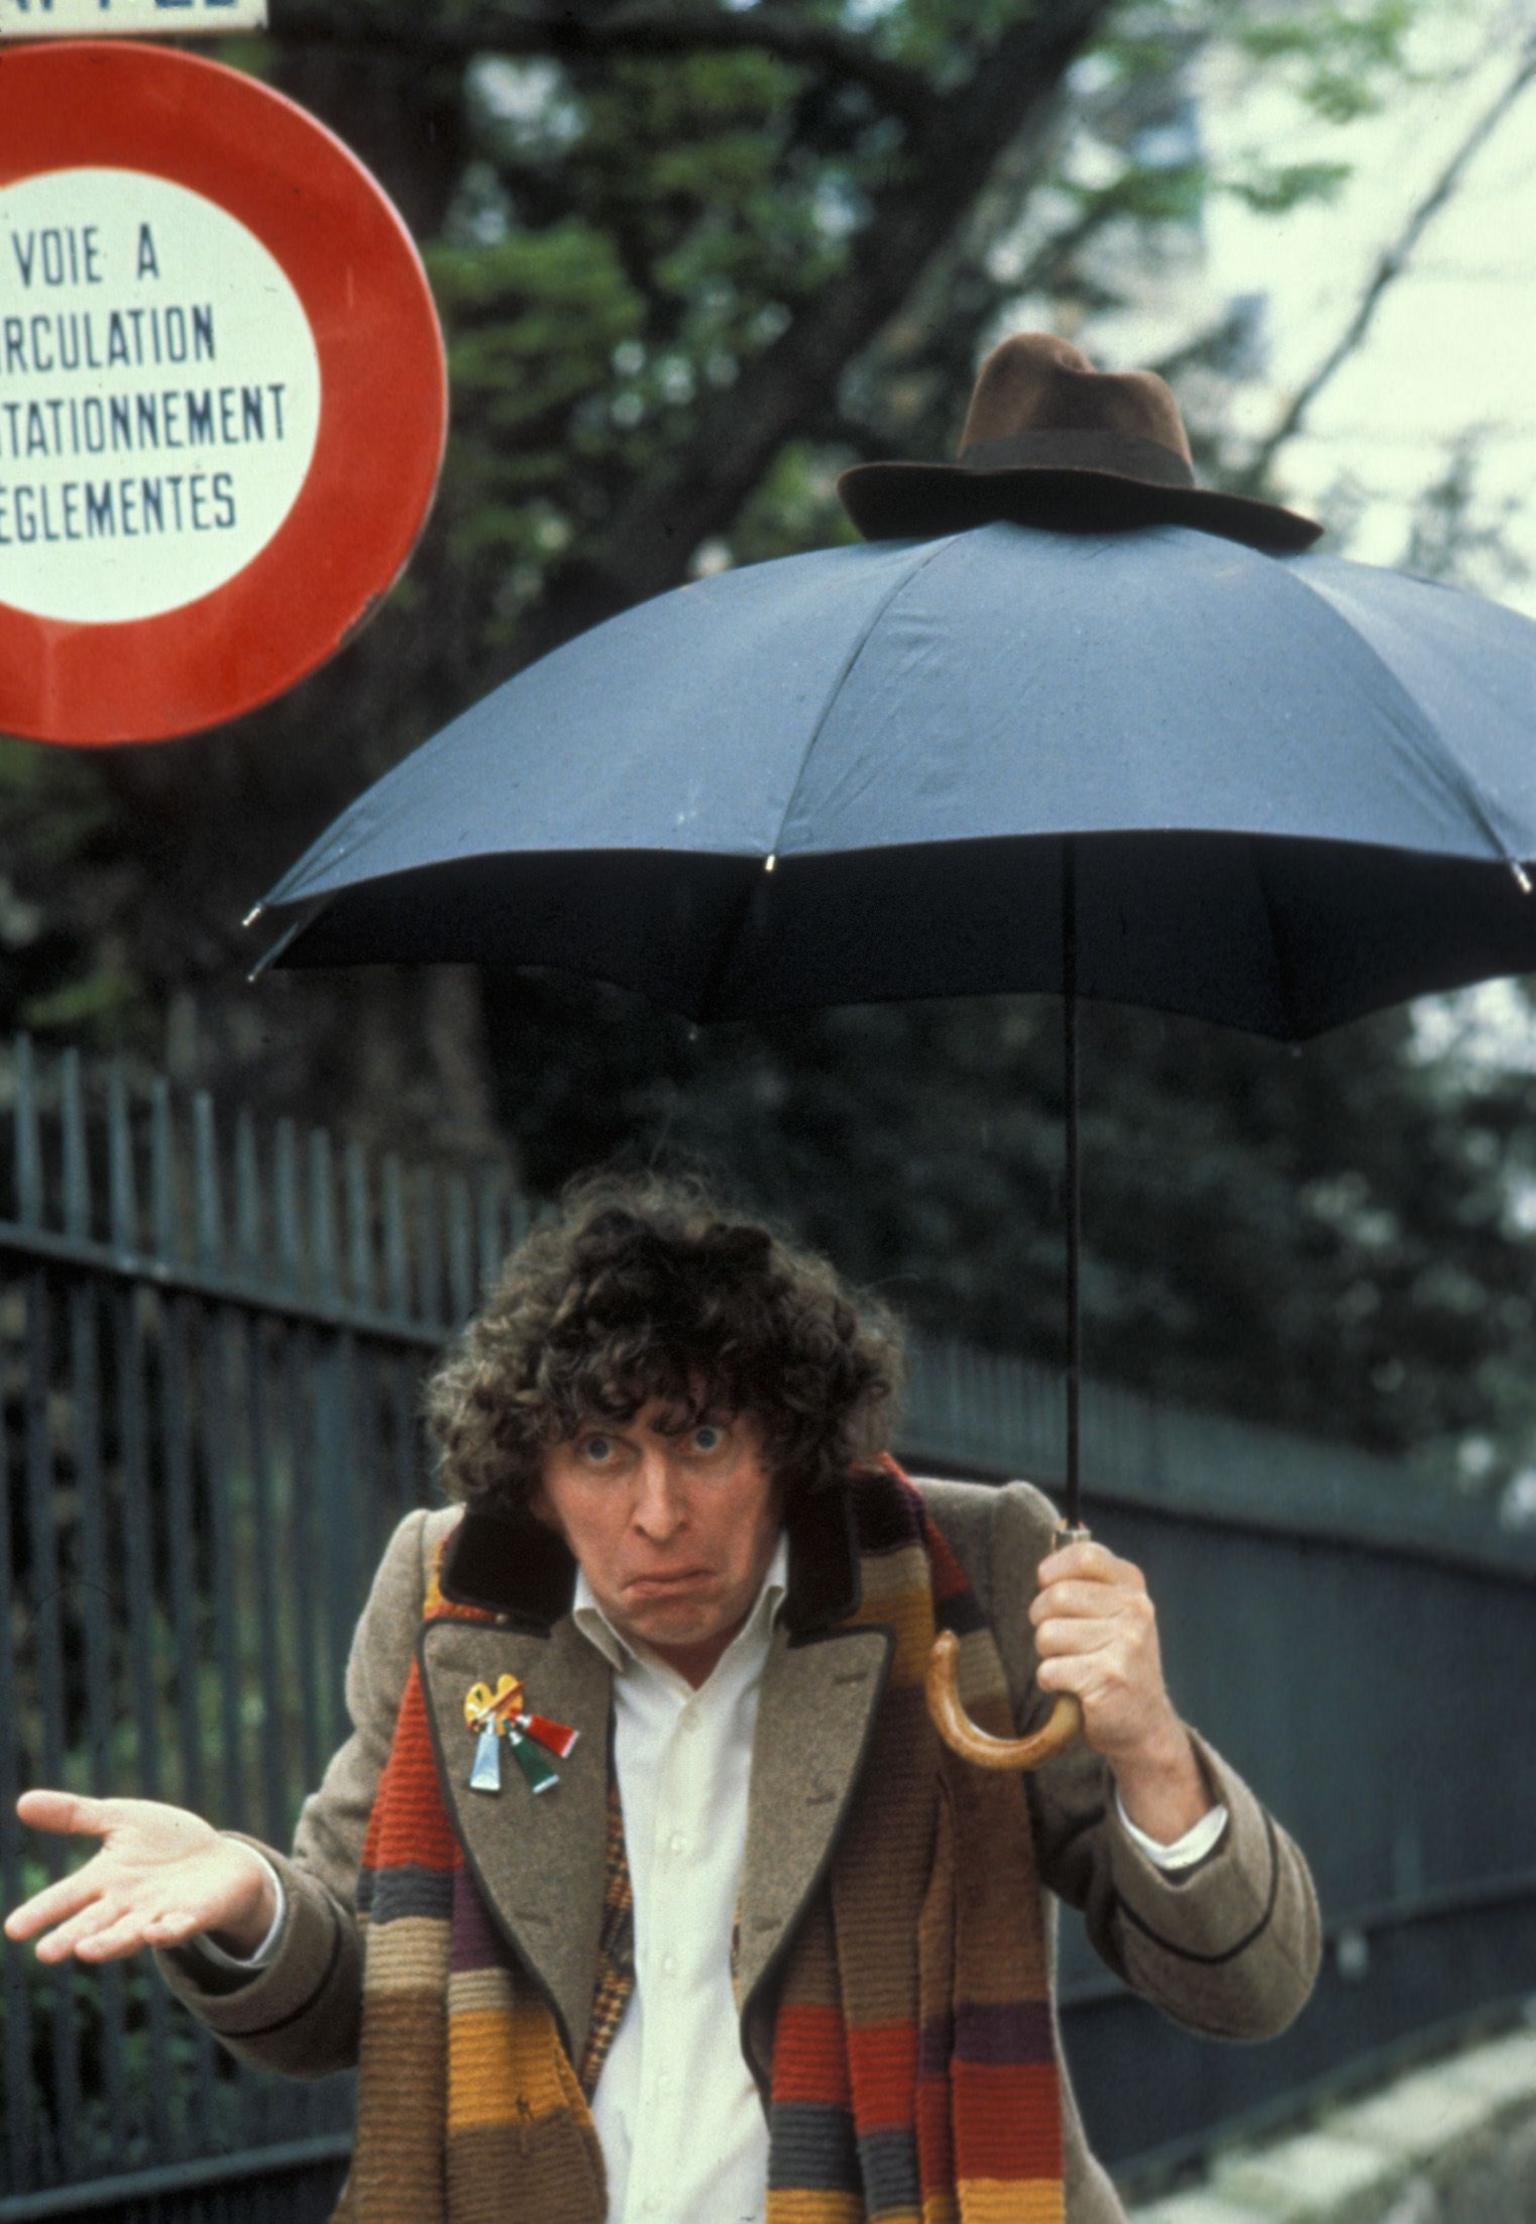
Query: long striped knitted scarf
[{"x": 914, "y": 2074}]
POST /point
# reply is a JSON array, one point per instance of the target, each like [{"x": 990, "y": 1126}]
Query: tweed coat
[{"x": 1229, "y": 1948}]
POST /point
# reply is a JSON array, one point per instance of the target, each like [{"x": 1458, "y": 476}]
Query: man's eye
[
  {"x": 707, "y": 1437},
  {"x": 596, "y": 1450}
]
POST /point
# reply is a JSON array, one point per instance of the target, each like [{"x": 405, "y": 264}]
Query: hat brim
[{"x": 919, "y": 501}]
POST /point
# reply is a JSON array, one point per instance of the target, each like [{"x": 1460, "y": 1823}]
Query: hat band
[{"x": 1122, "y": 453}]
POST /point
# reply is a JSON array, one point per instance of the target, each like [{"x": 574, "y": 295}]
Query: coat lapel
[
  {"x": 537, "y": 1859},
  {"x": 814, "y": 1718}
]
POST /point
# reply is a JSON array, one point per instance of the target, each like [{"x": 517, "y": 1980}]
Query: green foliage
[
  {"x": 1343, "y": 60},
  {"x": 1165, "y": 193},
  {"x": 1277, "y": 190}
]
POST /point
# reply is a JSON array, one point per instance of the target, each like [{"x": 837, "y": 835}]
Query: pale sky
[{"x": 1452, "y": 346}]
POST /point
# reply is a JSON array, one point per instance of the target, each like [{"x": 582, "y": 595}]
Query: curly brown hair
[{"x": 645, "y": 1288}]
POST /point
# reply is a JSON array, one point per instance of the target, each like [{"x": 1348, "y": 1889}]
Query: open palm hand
[{"x": 161, "y": 1876}]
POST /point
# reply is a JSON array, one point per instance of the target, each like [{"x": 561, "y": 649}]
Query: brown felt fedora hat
[{"x": 1051, "y": 441}]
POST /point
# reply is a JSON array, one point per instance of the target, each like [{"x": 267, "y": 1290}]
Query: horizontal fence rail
[{"x": 212, "y": 1344}]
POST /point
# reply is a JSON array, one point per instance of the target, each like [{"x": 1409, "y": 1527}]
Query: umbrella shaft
[{"x": 1074, "y": 1191}]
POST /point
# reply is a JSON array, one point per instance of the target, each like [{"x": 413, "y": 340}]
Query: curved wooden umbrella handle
[{"x": 979, "y": 1746}]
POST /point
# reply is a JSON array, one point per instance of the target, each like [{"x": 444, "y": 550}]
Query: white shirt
[{"x": 678, "y": 2116}]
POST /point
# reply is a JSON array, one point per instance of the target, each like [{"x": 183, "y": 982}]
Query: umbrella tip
[
  {"x": 770, "y": 861},
  {"x": 1521, "y": 875},
  {"x": 253, "y": 915}
]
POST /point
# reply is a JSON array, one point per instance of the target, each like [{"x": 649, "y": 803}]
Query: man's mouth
[{"x": 668, "y": 1585}]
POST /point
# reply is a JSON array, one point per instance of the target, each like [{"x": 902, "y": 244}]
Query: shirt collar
[{"x": 620, "y": 1653}]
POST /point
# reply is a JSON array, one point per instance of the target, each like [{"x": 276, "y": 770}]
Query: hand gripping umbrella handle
[{"x": 979, "y": 1746}]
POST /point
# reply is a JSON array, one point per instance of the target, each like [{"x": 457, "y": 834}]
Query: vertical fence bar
[
  {"x": 397, "y": 1263},
  {"x": 48, "y": 1650},
  {"x": 215, "y": 1411},
  {"x": 360, "y": 1273},
  {"x": 176, "y": 1320},
  {"x": 429, "y": 1252},
  {"x": 324, "y": 1254},
  {"x": 126, "y": 1316},
  {"x": 249, "y": 1220},
  {"x": 27, "y": 1139},
  {"x": 175, "y": 1445},
  {"x": 367, "y": 1360},
  {"x": 93, "y": 1593},
  {"x": 401, "y": 1376},
  {"x": 257, "y": 1527},
  {"x": 19, "y": 1982},
  {"x": 490, "y": 1227},
  {"x": 293, "y": 1364},
  {"x": 289, "y": 1363},
  {"x": 258, "y": 1554},
  {"x": 290, "y": 1218},
  {"x": 460, "y": 1247},
  {"x": 336, "y": 1478},
  {"x": 55, "y": 2134},
  {"x": 264, "y": 1529}
]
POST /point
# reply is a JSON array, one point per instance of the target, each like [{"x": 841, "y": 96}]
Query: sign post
[{"x": 222, "y": 393}]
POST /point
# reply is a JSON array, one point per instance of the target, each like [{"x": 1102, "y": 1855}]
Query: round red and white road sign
[{"x": 223, "y": 399}]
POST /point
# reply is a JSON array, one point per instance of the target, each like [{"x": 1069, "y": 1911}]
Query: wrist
[
  {"x": 1161, "y": 1786},
  {"x": 245, "y": 1931}
]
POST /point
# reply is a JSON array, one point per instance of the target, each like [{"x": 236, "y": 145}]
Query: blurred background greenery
[{"x": 693, "y": 257}]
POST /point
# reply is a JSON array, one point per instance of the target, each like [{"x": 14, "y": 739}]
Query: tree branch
[
  {"x": 635, "y": 28},
  {"x": 1390, "y": 266},
  {"x": 1010, "y": 98}
]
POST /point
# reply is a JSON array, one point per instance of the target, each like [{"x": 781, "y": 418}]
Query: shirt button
[
  {"x": 690, "y": 1721},
  {"x": 669, "y": 1965},
  {"x": 676, "y": 1842}
]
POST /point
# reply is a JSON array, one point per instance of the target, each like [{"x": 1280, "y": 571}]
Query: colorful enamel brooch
[{"x": 501, "y": 1714}]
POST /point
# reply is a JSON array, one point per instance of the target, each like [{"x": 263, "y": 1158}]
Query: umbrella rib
[
  {"x": 931, "y": 551},
  {"x": 729, "y": 942},
  {"x": 1447, "y": 772}
]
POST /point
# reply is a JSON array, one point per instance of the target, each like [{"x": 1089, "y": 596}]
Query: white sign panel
[
  {"x": 159, "y": 395},
  {"x": 97, "y": 19}
]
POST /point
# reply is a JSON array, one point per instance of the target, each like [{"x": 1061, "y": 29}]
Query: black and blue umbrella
[
  {"x": 1123, "y": 739},
  {"x": 1295, "y": 790}
]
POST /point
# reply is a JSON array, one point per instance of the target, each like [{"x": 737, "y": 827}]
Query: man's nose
[{"x": 660, "y": 1510}]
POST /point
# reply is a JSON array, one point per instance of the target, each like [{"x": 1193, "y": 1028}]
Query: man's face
[{"x": 673, "y": 1529}]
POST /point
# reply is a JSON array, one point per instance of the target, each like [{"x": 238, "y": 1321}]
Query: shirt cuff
[
  {"x": 1184, "y": 1852},
  {"x": 264, "y": 1953}
]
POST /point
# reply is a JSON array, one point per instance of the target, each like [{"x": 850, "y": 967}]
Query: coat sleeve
[
  {"x": 301, "y": 2012},
  {"x": 1229, "y": 1947}
]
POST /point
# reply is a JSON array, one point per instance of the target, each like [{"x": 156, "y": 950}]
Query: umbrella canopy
[{"x": 1294, "y": 789}]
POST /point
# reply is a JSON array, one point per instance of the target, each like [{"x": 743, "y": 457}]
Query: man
[{"x": 753, "y": 1944}]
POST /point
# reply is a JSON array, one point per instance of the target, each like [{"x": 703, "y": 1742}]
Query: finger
[
  {"x": 1095, "y": 1678},
  {"x": 1055, "y": 1640},
  {"x": 1092, "y": 1562},
  {"x": 66, "y": 1938},
  {"x": 174, "y": 1930},
  {"x": 130, "y": 1934},
  {"x": 1074, "y": 1672},
  {"x": 66, "y": 1811},
  {"x": 54, "y": 1905},
  {"x": 1099, "y": 1600}
]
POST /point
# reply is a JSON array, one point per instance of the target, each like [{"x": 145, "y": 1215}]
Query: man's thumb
[{"x": 66, "y": 1811}]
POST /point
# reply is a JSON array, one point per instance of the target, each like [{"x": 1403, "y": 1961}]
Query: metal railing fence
[{"x": 211, "y": 1348}]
